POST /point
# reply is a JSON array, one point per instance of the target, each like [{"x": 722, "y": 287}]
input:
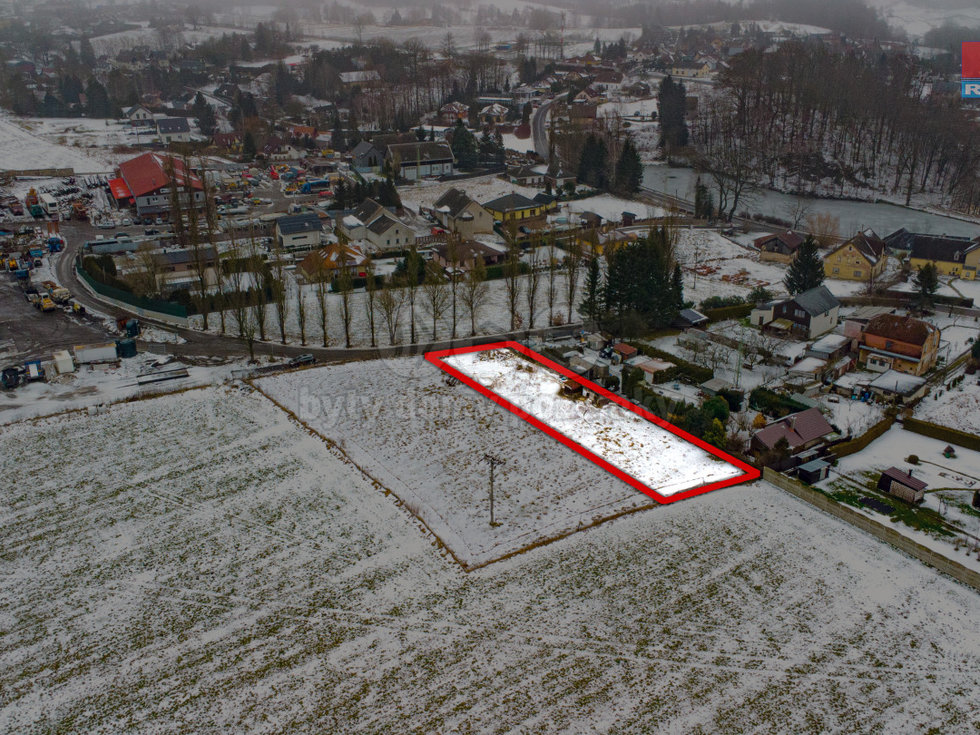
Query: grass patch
[{"x": 913, "y": 516}]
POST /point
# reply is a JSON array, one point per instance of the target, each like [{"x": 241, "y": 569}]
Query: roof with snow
[
  {"x": 454, "y": 201},
  {"x": 893, "y": 381},
  {"x": 359, "y": 77},
  {"x": 427, "y": 151},
  {"x": 900, "y": 328}
]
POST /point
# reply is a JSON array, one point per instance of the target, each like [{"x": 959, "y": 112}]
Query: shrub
[
  {"x": 912, "y": 459},
  {"x": 716, "y": 302},
  {"x": 773, "y": 404}
]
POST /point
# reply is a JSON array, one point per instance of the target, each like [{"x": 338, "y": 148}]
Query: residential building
[
  {"x": 139, "y": 115},
  {"x": 898, "y": 387},
  {"x": 803, "y": 430},
  {"x": 378, "y": 226},
  {"x": 467, "y": 253},
  {"x": 493, "y": 114},
  {"x": 367, "y": 79},
  {"x": 366, "y": 157},
  {"x": 458, "y": 212},
  {"x": 780, "y": 247},
  {"x": 452, "y": 112},
  {"x": 902, "y": 343},
  {"x": 178, "y": 269},
  {"x": 302, "y": 231},
  {"x": 526, "y": 176},
  {"x": 421, "y": 159},
  {"x": 952, "y": 256},
  {"x": 326, "y": 261},
  {"x": 514, "y": 208},
  {"x": 862, "y": 258},
  {"x": 146, "y": 181},
  {"x": 173, "y": 130},
  {"x": 807, "y": 315}
]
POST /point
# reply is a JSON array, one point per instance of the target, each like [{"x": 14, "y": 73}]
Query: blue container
[{"x": 126, "y": 348}]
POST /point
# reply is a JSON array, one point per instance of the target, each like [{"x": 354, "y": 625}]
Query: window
[
  {"x": 836, "y": 270},
  {"x": 859, "y": 274}
]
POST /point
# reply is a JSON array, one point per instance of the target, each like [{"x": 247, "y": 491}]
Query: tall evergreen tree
[
  {"x": 926, "y": 282},
  {"x": 593, "y": 162},
  {"x": 592, "y": 303},
  {"x": 465, "y": 147},
  {"x": 806, "y": 271},
  {"x": 629, "y": 169},
  {"x": 672, "y": 108}
]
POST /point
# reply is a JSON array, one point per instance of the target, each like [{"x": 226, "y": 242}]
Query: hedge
[
  {"x": 770, "y": 403},
  {"x": 857, "y": 444},
  {"x": 943, "y": 433},
  {"x": 723, "y": 313},
  {"x": 682, "y": 368}
]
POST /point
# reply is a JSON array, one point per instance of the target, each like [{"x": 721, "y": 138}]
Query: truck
[
  {"x": 45, "y": 303},
  {"x": 57, "y": 293},
  {"x": 315, "y": 185},
  {"x": 88, "y": 354},
  {"x": 49, "y": 204}
]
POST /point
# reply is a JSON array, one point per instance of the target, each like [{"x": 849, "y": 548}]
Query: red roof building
[
  {"x": 800, "y": 430},
  {"x": 149, "y": 183}
]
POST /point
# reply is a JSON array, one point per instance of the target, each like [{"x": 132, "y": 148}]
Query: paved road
[{"x": 539, "y": 129}]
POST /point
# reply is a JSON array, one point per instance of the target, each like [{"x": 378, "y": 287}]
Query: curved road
[{"x": 203, "y": 343}]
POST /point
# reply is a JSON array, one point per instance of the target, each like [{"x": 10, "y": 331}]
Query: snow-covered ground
[
  {"x": 22, "y": 149},
  {"x": 197, "y": 563},
  {"x": 961, "y": 473},
  {"x": 424, "y": 439},
  {"x": 659, "y": 459},
  {"x": 482, "y": 189},
  {"x": 958, "y": 408}
]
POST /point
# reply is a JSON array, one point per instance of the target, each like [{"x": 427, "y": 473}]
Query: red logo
[{"x": 971, "y": 60}]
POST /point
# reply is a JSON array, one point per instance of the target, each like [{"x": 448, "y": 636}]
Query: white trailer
[
  {"x": 88, "y": 354},
  {"x": 49, "y": 203}
]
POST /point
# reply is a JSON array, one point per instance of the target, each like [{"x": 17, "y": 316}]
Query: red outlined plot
[{"x": 747, "y": 474}]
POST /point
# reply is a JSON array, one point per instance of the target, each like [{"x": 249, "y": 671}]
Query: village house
[
  {"x": 802, "y": 431},
  {"x": 467, "y": 254},
  {"x": 452, "y": 112},
  {"x": 862, "y": 258},
  {"x": 419, "y": 160},
  {"x": 806, "y": 315},
  {"x": 780, "y": 247},
  {"x": 493, "y": 114},
  {"x": 525, "y": 176},
  {"x": 323, "y": 264},
  {"x": 177, "y": 269},
  {"x": 952, "y": 256},
  {"x": 690, "y": 70},
  {"x": 902, "y": 343},
  {"x": 514, "y": 208},
  {"x": 367, "y": 79},
  {"x": 378, "y": 226},
  {"x": 139, "y": 115},
  {"x": 173, "y": 130},
  {"x": 459, "y": 213},
  {"x": 366, "y": 157},
  {"x": 299, "y": 231},
  {"x": 145, "y": 181}
]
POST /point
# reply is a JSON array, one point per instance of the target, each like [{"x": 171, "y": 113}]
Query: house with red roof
[
  {"x": 803, "y": 430},
  {"x": 146, "y": 181}
]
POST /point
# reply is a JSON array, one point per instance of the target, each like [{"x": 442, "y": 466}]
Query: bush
[
  {"x": 912, "y": 459},
  {"x": 610, "y": 382},
  {"x": 734, "y": 399},
  {"x": 716, "y": 302},
  {"x": 735, "y": 311},
  {"x": 773, "y": 404}
]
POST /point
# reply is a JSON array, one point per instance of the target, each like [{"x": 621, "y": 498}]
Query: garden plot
[
  {"x": 958, "y": 408},
  {"x": 664, "y": 462},
  {"x": 199, "y": 564},
  {"x": 425, "y": 440}
]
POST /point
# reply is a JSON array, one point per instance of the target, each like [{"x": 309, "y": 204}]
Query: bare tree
[
  {"x": 321, "y": 288},
  {"x": 301, "y": 313},
  {"x": 435, "y": 295},
  {"x": 390, "y": 303},
  {"x": 825, "y": 229},
  {"x": 531, "y": 286},
  {"x": 146, "y": 279},
  {"x": 345, "y": 287},
  {"x": 512, "y": 284},
  {"x": 453, "y": 258},
  {"x": 573, "y": 262},
  {"x": 240, "y": 298},
  {"x": 280, "y": 292},
  {"x": 552, "y": 288},
  {"x": 202, "y": 257},
  {"x": 475, "y": 291},
  {"x": 412, "y": 274},
  {"x": 370, "y": 303},
  {"x": 257, "y": 267}
]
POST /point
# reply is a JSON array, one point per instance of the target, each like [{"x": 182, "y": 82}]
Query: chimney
[{"x": 910, "y": 471}]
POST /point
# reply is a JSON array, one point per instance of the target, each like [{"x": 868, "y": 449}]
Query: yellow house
[
  {"x": 958, "y": 257},
  {"x": 514, "y": 208},
  {"x": 862, "y": 258}
]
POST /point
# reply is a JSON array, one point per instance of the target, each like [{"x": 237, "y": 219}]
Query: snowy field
[
  {"x": 659, "y": 459},
  {"x": 22, "y": 149},
  {"x": 197, "y": 564},
  {"x": 424, "y": 440},
  {"x": 958, "y": 408}
]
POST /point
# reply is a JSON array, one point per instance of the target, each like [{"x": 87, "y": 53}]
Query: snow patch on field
[
  {"x": 659, "y": 459},
  {"x": 21, "y": 149}
]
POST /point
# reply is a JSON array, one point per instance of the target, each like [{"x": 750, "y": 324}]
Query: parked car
[
  {"x": 151, "y": 231},
  {"x": 302, "y": 360}
]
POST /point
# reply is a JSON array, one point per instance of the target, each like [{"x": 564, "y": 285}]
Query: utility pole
[{"x": 493, "y": 461}]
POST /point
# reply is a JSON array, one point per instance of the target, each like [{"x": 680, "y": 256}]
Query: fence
[
  {"x": 890, "y": 536},
  {"x": 943, "y": 433},
  {"x": 164, "y": 311}
]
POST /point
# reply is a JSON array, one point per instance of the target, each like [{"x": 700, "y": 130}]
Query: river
[{"x": 883, "y": 218}]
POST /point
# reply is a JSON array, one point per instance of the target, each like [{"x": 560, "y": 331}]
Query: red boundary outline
[{"x": 748, "y": 472}]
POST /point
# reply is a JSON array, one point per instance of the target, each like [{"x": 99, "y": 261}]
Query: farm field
[
  {"x": 199, "y": 563},
  {"x": 22, "y": 149}
]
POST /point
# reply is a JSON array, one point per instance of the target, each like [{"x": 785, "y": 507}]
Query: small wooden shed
[{"x": 894, "y": 481}]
